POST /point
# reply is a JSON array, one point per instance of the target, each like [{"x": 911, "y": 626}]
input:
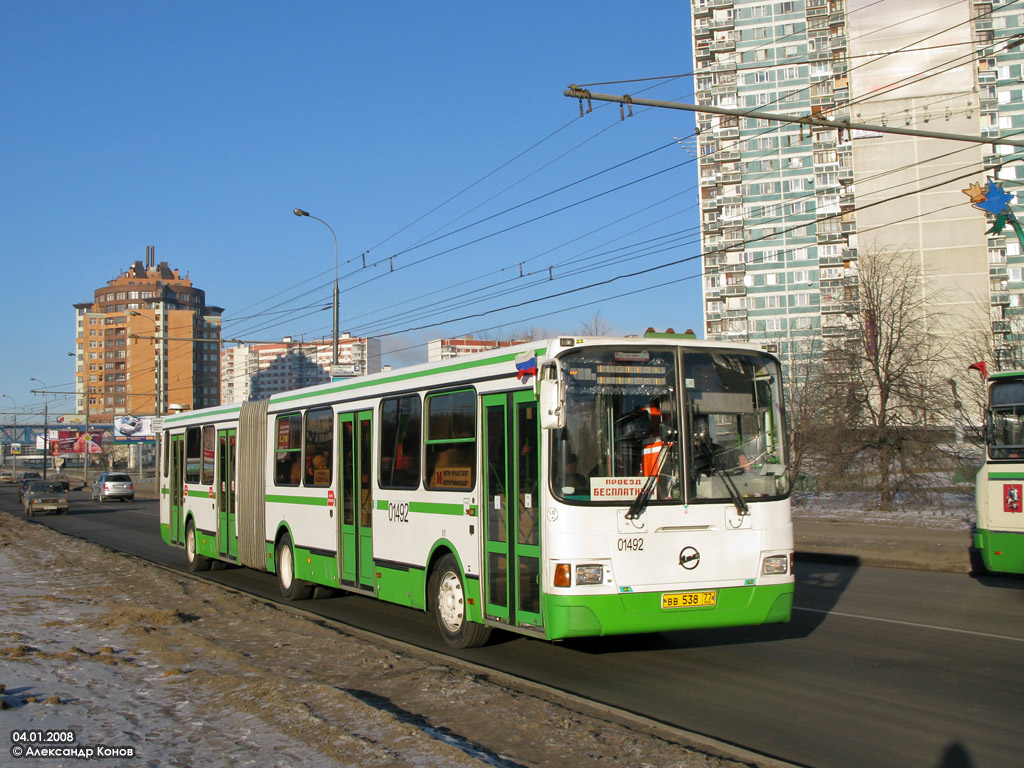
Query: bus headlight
[
  {"x": 775, "y": 565},
  {"x": 589, "y": 574}
]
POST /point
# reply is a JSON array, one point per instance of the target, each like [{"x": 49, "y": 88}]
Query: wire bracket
[{"x": 583, "y": 94}]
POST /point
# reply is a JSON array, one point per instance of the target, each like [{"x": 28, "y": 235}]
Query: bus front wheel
[
  {"x": 291, "y": 587},
  {"x": 449, "y": 604}
]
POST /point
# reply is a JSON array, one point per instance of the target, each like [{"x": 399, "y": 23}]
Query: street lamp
[
  {"x": 334, "y": 339},
  {"x": 159, "y": 354},
  {"x": 15, "y": 412},
  {"x": 46, "y": 425}
]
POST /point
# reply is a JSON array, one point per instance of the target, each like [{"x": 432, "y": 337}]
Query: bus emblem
[
  {"x": 1011, "y": 497},
  {"x": 689, "y": 558}
]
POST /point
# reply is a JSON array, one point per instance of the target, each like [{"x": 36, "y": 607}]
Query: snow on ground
[
  {"x": 948, "y": 510},
  {"x": 177, "y": 671}
]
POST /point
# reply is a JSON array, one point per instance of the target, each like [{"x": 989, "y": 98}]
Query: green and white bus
[
  {"x": 561, "y": 488},
  {"x": 999, "y": 491}
]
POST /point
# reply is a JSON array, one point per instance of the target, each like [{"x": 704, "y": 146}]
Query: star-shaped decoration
[
  {"x": 975, "y": 192},
  {"x": 996, "y": 200},
  {"x": 997, "y": 226}
]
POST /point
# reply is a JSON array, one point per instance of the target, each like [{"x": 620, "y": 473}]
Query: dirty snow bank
[
  {"x": 950, "y": 511},
  {"x": 176, "y": 671}
]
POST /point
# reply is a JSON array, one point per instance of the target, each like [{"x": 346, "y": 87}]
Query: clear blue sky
[{"x": 197, "y": 127}]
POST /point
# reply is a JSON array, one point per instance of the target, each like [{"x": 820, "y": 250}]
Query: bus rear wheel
[
  {"x": 449, "y": 604},
  {"x": 291, "y": 587},
  {"x": 196, "y": 562}
]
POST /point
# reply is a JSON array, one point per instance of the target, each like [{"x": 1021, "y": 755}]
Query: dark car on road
[
  {"x": 113, "y": 485},
  {"x": 45, "y": 496},
  {"x": 63, "y": 479},
  {"x": 23, "y": 480}
]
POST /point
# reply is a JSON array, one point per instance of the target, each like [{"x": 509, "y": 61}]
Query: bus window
[
  {"x": 621, "y": 422},
  {"x": 165, "y": 451},
  {"x": 400, "y": 442},
  {"x": 319, "y": 442},
  {"x": 1006, "y": 420},
  {"x": 734, "y": 404},
  {"x": 193, "y": 455},
  {"x": 451, "y": 441},
  {"x": 209, "y": 447},
  {"x": 288, "y": 455}
]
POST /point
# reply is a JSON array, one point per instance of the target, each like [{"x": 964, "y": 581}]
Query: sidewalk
[{"x": 891, "y": 546}]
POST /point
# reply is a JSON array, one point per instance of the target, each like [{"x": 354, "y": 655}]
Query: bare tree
[
  {"x": 887, "y": 377},
  {"x": 595, "y": 325}
]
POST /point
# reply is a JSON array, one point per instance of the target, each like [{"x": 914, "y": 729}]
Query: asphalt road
[{"x": 879, "y": 667}]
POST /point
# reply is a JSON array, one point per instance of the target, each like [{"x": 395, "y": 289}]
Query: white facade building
[{"x": 257, "y": 371}]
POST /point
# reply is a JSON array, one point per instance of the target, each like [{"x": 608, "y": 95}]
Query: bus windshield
[
  {"x": 621, "y": 426},
  {"x": 737, "y": 438},
  {"x": 1006, "y": 420},
  {"x": 624, "y": 426}
]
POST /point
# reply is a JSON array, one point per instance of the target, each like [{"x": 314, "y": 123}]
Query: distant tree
[
  {"x": 595, "y": 325},
  {"x": 803, "y": 380}
]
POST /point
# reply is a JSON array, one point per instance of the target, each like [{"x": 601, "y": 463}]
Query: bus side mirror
[{"x": 552, "y": 404}]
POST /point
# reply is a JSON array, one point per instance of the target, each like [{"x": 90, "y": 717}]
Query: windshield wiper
[
  {"x": 714, "y": 469},
  {"x": 638, "y": 505}
]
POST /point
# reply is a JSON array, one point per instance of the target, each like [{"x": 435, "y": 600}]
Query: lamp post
[
  {"x": 15, "y": 429},
  {"x": 46, "y": 423},
  {"x": 334, "y": 338},
  {"x": 159, "y": 354}
]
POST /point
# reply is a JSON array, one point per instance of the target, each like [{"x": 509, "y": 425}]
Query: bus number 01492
[
  {"x": 634, "y": 544},
  {"x": 398, "y": 512}
]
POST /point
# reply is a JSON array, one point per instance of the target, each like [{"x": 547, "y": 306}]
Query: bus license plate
[{"x": 689, "y": 599}]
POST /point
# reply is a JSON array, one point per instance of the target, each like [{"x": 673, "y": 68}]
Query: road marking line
[{"x": 911, "y": 624}]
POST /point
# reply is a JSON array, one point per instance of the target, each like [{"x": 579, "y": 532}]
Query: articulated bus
[
  {"x": 562, "y": 488},
  {"x": 999, "y": 490}
]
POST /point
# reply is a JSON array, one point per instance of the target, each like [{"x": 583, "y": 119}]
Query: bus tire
[
  {"x": 291, "y": 587},
  {"x": 196, "y": 562},
  {"x": 448, "y": 599}
]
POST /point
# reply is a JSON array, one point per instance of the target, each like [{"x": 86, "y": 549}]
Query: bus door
[
  {"x": 355, "y": 534},
  {"x": 177, "y": 482},
  {"x": 227, "y": 536},
  {"x": 512, "y": 506}
]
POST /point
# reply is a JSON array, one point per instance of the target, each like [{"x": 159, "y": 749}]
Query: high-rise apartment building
[
  {"x": 257, "y": 371},
  {"x": 147, "y": 340},
  {"x": 787, "y": 209}
]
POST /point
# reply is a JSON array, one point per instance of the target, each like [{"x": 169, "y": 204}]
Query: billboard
[
  {"x": 68, "y": 441},
  {"x": 133, "y": 429}
]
